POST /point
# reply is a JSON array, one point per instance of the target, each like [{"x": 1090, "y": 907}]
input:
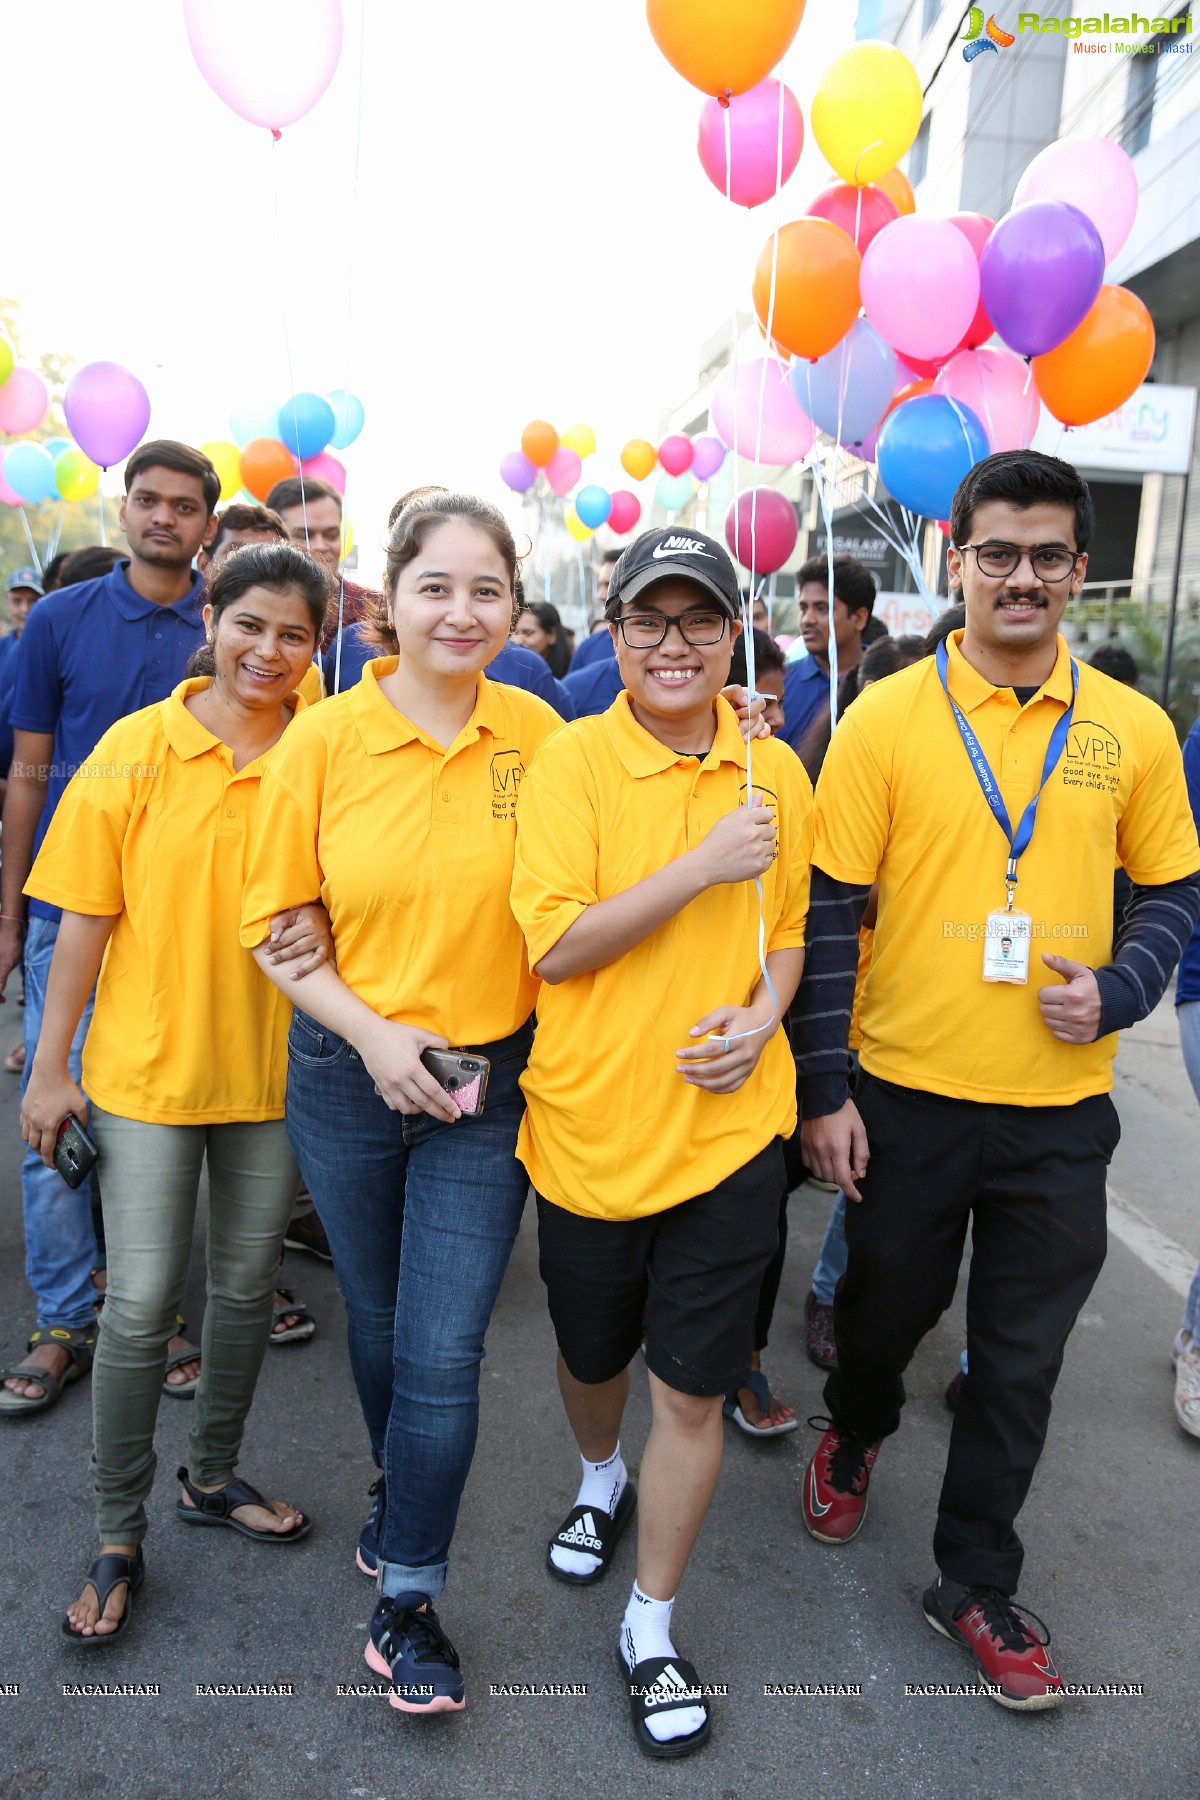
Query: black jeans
[{"x": 1031, "y": 1179}]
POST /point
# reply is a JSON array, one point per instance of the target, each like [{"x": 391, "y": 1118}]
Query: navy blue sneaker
[
  {"x": 408, "y": 1645},
  {"x": 367, "y": 1554}
]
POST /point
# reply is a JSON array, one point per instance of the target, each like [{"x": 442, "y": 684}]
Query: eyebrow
[
  {"x": 445, "y": 575},
  {"x": 1047, "y": 544}
]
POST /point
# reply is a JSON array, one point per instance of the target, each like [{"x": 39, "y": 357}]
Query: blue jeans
[
  {"x": 421, "y": 1218},
  {"x": 1188, "y": 1015},
  {"x": 60, "y": 1236},
  {"x": 831, "y": 1264}
]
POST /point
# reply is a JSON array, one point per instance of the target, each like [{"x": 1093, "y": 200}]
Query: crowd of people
[{"x": 629, "y": 929}]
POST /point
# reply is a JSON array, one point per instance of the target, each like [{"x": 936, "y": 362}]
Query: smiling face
[
  {"x": 672, "y": 685},
  {"x": 165, "y": 517},
  {"x": 1015, "y": 616},
  {"x": 451, "y": 608},
  {"x": 263, "y": 643}
]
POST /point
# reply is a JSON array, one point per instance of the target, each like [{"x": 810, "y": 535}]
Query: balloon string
[
  {"x": 33, "y": 555},
  {"x": 358, "y": 137},
  {"x": 103, "y": 532},
  {"x": 287, "y": 340}
]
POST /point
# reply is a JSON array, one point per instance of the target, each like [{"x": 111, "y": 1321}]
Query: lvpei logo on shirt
[
  {"x": 507, "y": 771},
  {"x": 1092, "y": 757}
]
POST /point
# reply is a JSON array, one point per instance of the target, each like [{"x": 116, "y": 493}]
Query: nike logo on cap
[{"x": 680, "y": 546}]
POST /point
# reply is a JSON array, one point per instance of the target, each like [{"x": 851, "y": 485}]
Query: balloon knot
[
  {"x": 276, "y": 133},
  {"x": 725, "y": 98}
]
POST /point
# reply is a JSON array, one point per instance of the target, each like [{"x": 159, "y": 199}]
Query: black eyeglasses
[
  {"x": 644, "y": 631},
  {"x": 1051, "y": 562}
]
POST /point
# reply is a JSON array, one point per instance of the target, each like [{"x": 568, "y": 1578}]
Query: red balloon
[
  {"x": 860, "y": 211},
  {"x": 626, "y": 511},
  {"x": 976, "y": 228},
  {"x": 675, "y": 454},
  {"x": 761, "y": 530},
  {"x": 923, "y": 368}
]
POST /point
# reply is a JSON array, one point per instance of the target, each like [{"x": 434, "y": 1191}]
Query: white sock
[
  {"x": 602, "y": 1485},
  {"x": 646, "y": 1632}
]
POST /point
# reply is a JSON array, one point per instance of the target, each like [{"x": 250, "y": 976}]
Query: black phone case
[{"x": 75, "y": 1155}]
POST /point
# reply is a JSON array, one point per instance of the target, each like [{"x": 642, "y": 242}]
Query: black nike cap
[{"x": 685, "y": 555}]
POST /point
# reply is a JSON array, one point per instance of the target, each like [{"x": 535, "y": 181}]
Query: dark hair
[
  {"x": 853, "y": 582},
  {"x": 300, "y": 490},
  {"x": 409, "y": 531},
  {"x": 612, "y": 555},
  {"x": 953, "y": 619},
  {"x": 52, "y": 573},
  {"x": 417, "y": 493},
  {"x": 245, "y": 515},
  {"x": 556, "y": 653},
  {"x": 89, "y": 563},
  {"x": 874, "y": 630},
  {"x": 911, "y": 646},
  {"x": 767, "y": 655},
  {"x": 166, "y": 453},
  {"x": 883, "y": 658},
  {"x": 1023, "y": 478},
  {"x": 1114, "y": 660},
  {"x": 283, "y": 568}
]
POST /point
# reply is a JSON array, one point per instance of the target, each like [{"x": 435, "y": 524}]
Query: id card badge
[{"x": 1006, "y": 947}]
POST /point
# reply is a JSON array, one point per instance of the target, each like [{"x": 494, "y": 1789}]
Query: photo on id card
[{"x": 1006, "y": 947}]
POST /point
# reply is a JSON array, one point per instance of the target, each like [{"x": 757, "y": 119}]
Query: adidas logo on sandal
[{"x": 581, "y": 1535}]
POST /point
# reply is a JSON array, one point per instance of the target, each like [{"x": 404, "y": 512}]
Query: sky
[{"x": 531, "y": 233}]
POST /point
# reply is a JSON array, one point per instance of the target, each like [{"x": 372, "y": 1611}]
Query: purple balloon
[
  {"x": 108, "y": 411},
  {"x": 708, "y": 453},
  {"x": 517, "y": 472},
  {"x": 1039, "y": 273}
]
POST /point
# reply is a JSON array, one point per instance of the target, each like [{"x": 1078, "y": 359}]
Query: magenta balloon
[
  {"x": 24, "y": 402},
  {"x": 269, "y": 60},
  {"x": 787, "y": 432},
  {"x": 563, "y": 470},
  {"x": 862, "y": 212},
  {"x": 108, "y": 411},
  {"x": 675, "y": 454},
  {"x": 517, "y": 472},
  {"x": 1040, "y": 271},
  {"x": 977, "y": 228},
  {"x": 920, "y": 285},
  {"x": 1091, "y": 173},
  {"x": 8, "y": 495},
  {"x": 753, "y": 121},
  {"x": 625, "y": 513},
  {"x": 326, "y": 468},
  {"x": 998, "y": 387},
  {"x": 708, "y": 453},
  {"x": 761, "y": 530}
]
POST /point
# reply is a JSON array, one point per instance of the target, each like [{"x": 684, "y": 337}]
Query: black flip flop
[
  {"x": 652, "y": 1687},
  {"x": 106, "y": 1573},
  {"x": 218, "y": 1508},
  {"x": 596, "y": 1533}
]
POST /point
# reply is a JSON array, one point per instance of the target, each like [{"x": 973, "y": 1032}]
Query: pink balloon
[
  {"x": 24, "y": 402},
  {"x": 108, "y": 411},
  {"x": 269, "y": 60},
  {"x": 920, "y": 285},
  {"x": 563, "y": 470},
  {"x": 326, "y": 468},
  {"x": 675, "y": 454},
  {"x": 1090, "y": 173},
  {"x": 761, "y": 530},
  {"x": 998, "y": 387},
  {"x": 626, "y": 511},
  {"x": 787, "y": 431},
  {"x": 862, "y": 212},
  {"x": 976, "y": 228},
  {"x": 753, "y": 120},
  {"x": 708, "y": 453},
  {"x": 9, "y": 495}
]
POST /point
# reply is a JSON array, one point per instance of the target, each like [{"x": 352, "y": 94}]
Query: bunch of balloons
[
  {"x": 107, "y": 409},
  {"x": 267, "y": 442},
  {"x": 559, "y": 460}
]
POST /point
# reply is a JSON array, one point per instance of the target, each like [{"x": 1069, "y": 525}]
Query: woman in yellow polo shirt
[
  {"x": 395, "y": 804},
  {"x": 186, "y": 1057}
]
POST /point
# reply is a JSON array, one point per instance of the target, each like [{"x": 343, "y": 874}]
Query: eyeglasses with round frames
[
  {"x": 645, "y": 631},
  {"x": 1051, "y": 562}
]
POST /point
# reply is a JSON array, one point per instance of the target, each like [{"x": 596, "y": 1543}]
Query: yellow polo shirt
[
  {"x": 410, "y": 847},
  {"x": 156, "y": 827},
  {"x": 898, "y": 800},
  {"x": 610, "y": 1129},
  {"x": 311, "y": 686}
]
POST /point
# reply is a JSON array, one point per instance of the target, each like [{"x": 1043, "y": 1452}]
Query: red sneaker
[
  {"x": 1010, "y": 1656},
  {"x": 835, "y": 1485}
]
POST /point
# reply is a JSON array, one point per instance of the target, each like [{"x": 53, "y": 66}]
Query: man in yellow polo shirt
[
  {"x": 990, "y": 791},
  {"x": 659, "y": 1084}
]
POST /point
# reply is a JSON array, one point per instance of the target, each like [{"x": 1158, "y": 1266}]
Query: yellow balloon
[
  {"x": 579, "y": 438},
  {"x": 7, "y": 360},
  {"x": 226, "y": 459},
  {"x": 866, "y": 111},
  {"x": 578, "y": 530},
  {"x": 638, "y": 458},
  {"x": 347, "y": 538},
  {"x": 76, "y": 474}
]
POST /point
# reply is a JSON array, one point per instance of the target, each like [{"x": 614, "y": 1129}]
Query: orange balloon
[
  {"x": 264, "y": 462},
  {"x": 1104, "y": 361},
  {"x": 816, "y": 287},
  {"x": 539, "y": 441},
  {"x": 638, "y": 458},
  {"x": 898, "y": 189},
  {"x": 922, "y": 386},
  {"x": 724, "y": 49}
]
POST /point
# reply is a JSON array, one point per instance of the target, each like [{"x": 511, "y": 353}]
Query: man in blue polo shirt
[
  {"x": 806, "y": 681},
  {"x": 89, "y": 656}
]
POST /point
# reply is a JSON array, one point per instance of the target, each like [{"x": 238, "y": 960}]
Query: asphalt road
[{"x": 1109, "y": 1527}]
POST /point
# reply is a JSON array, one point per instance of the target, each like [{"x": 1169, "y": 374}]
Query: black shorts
[{"x": 692, "y": 1274}]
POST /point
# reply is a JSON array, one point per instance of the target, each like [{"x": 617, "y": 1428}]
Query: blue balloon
[
  {"x": 847, "y": 391},
  {"x": 593, "y": 505},
  {"x": 925, "y": 448},
  {"x": 672, "y": 491},
  {"x": 255, "y": 418},
  {"x": 305, "y": 425},
  {"x": 349, "y": 416},
  {"x": 56, "y": 445},
  {"x": 29, "y": 471}
]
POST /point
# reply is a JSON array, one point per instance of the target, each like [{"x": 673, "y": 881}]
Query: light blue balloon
[
  {"x": 349, "y": 415},
  {"x": 305, "y": 424},
  {"x": 925, "y": 448},
  {"x": 56, "y": 446},
  {"x": 250, "y": 419},
  {"x": 848, "y": 390},
  {"x": 29, "y": 471},
  {"x": 671, "y": 492},
  {"x": 593, "y": 505}
]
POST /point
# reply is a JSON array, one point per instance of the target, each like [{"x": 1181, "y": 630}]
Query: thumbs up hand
[{"x": 1071, "y": 1008}]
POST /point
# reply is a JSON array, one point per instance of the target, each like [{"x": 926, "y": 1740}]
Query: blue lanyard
[{"x": 1018, "y": 840}]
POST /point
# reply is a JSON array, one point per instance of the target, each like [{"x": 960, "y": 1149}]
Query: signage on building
[
  {"x": 1152, "y": 432},
  {"x": 908, "y": 615},
  {"x": 865, "y": 545}
]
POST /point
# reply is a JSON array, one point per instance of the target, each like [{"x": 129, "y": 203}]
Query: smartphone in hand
[
  {"x": 75, "y": 1155},
  {"x": 463, "y": 1074}
]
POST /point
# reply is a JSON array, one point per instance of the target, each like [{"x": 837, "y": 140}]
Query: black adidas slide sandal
[
  {"x": 594, "y": 1532},
  {"x": 659, "y": 1685}
]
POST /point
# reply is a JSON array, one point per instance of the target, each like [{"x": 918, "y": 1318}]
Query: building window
[
  {"x": 1156, "y": 74},
  {"x": 918, "y": 156}
]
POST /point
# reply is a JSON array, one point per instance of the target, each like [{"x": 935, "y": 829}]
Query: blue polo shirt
[
  {"x": 598, "y": 646},
  {"x": 805, "y": 692},
  {"x": 594, "y": 688},
  {"x": 8, "y": 677},
  {"x": 514, "y": 665},
  {"x": 90, "y": 655},
  {"x": 1187, "y": 978}
]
